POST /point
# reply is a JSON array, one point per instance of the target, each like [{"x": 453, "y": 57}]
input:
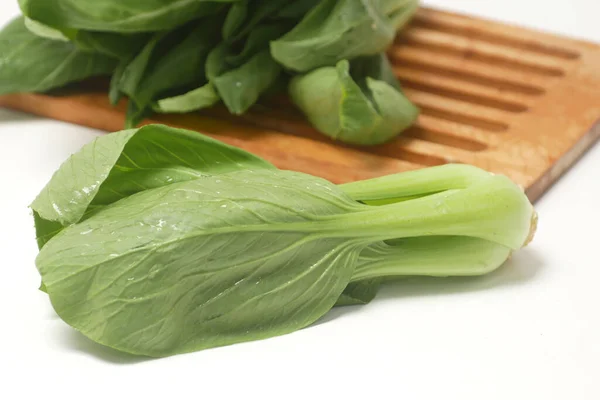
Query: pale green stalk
[
  {"x": 506, "y": 221},
  {"x": 417, "y": 183},
  {"x": 439, "y": 256},
  {"x": 493, "y": 209}
]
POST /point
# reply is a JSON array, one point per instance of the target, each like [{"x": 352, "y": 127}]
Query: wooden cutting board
[{"x": 507, "y": 99}]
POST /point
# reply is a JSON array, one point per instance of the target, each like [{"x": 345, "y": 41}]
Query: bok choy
[
  {"x": 159, "y": 241},
  {"x": 175, "y": 56}
]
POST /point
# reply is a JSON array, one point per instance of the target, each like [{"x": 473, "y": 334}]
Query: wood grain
[{"x": 510, "y": 100}]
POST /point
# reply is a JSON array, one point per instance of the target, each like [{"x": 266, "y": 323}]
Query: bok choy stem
[
  {"x": 417, "y": 183},
  {"x": 439, "y": 256},
  {"x": 492, "y": 208}
]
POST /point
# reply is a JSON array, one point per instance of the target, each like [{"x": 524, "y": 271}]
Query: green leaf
[
  {"x": 30, "y": 63},
  {"x": 123, "y": 163},
  {"x": 130, "y": 73},
  {"x": 240, "y": 88},
  {"x": 197, "y": 99},
  {"x": 111, "y": 44},
  {"x": 135, "y": 115},
  {"x": 203, "y": 263},
  {"x": 236, "y": 16},
  {"x": 216, "y": 62},
  {"x": 376, "y": 67},
  {"x": 169, "y": 63},
  {"x": 259, "y": 12},
  {"x": 114, "y": 92},
  {"x": 240, "y": 79},
  {"x": 369, "y": 112},
  {"x": 297, "y": 9},
  {"x": 359, "y": 293},
  {"x": 180, "y": 66},
  {"x": 397, "y": 112},
  {"x": 119, "y": 16},
  {"x": 114, "y": 45},
  {"x": 45, "y": 229},
  {"x": 257, "y": 41},
  {"x": 47, "y": 32},
  {"x": 400, "y": 12},
  {"x": 335, "y": 30}
]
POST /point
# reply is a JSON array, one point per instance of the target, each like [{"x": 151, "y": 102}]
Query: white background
[{"x": 529, "y": 331}]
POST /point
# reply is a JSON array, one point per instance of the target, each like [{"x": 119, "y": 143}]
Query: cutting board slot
[
  {"x": 468, "y": 66},
  {"x": 455, "y": 116},
  {"x": 464, "y": 26},
  {"x": 402, "y": 151},
  {"x": 444, "y": 138},
  {"x": 478, "y": 137},
  {"x": 428, "y": 62},
  {"x": 484, "y": 99},
  {"x": 507, "y": 100},
  {"x": 470, "y": 48}
]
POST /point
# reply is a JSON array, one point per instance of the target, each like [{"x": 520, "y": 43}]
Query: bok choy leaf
[
  {"x": 36, "y": 64},
  {"x": 119, "y": 16},
  {"x": 171, "y": 242},
  {"x": 360, "y": 110},
  {"x": 180, "y": 56}
]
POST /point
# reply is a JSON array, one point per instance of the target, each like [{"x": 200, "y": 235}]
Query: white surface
[{"x": 529, "y": 331}]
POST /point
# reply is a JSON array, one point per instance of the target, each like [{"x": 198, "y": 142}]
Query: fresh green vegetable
[
  {"x": 120, "y": 165},
  {"x": 241, "y": 78},
  {"x": 33, "y": 63},
  {"x": 159, "y": 241},
  {"x": 121, "y": 15},
  {"x": 438, "y": 256},
  {"x": 41, "y": 30},
  {"x": 359, "y": 293},
  {"x": 431, "y": 256},
  {"x": 337, "y": 30},
  {"x": 363, "y": 112},
  {"x": 150, "y": 74},
  {"x": 425, "y": 256},
  {"x": 180, "y": 56},
  {"x": 114, "y": 45},
  {"x": 202, "y": 97}
]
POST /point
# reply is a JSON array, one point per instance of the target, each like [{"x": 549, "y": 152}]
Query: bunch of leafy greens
[
  {"x": 159, "y": 241},
  {"x": 178, "y": 56}
]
